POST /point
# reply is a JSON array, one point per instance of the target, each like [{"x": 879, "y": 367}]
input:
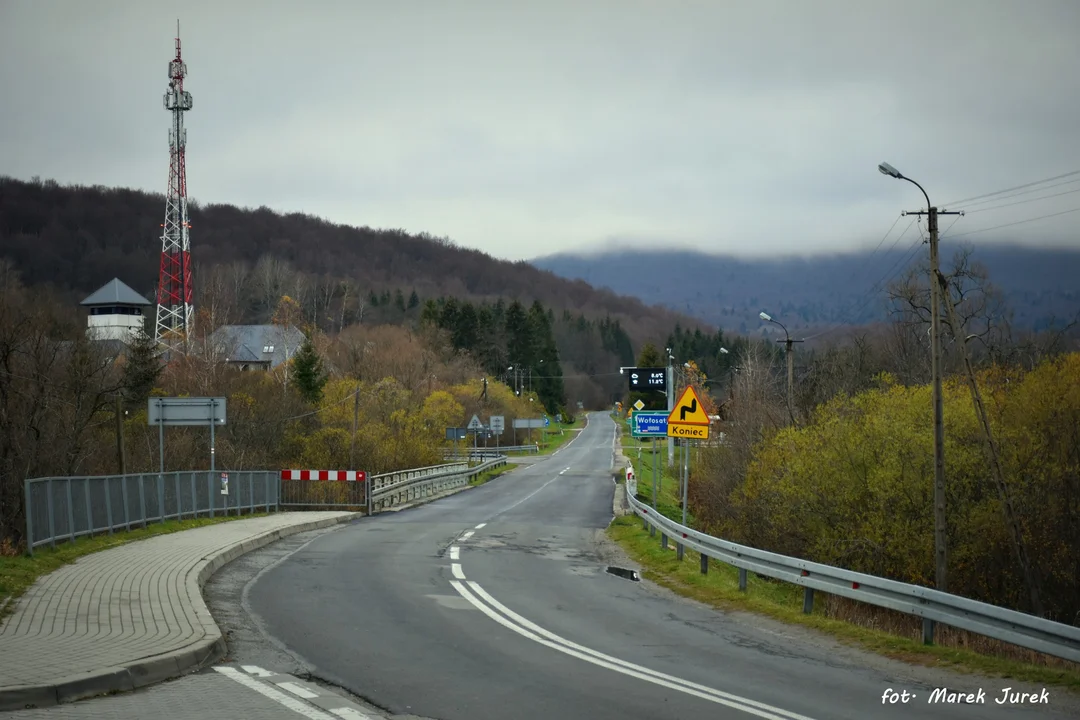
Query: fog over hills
[{"x": 808, "y": 294}]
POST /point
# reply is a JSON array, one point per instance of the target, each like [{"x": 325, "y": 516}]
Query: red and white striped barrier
[{"x": 335, "y": 475}]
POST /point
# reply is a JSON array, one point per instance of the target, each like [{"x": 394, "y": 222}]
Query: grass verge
[
  {"x": 18, "y": 571},
  {"x": 890, "y": 634},
  {"x": 490, "y": 474}
]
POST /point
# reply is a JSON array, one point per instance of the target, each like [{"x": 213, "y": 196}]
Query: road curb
[{"x": 159, "y": 668}]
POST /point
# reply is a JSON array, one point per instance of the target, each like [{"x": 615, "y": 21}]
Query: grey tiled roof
[
  {"x": 271, "y": 344},
  {"x": 115, "y": 292}
]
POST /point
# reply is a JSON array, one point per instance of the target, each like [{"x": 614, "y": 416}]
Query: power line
[
  {"x": 1017, "y": 187},
  {"x": 1018, "y": 222},
  {"x": 1022, "y": 202},
  {"x": 1019, "y": 194}
]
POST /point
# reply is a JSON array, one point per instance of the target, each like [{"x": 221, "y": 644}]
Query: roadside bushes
[{"x": 854, "y": 486}]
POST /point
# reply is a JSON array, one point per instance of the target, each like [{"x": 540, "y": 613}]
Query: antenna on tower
[{"x": 174, "y": 296}]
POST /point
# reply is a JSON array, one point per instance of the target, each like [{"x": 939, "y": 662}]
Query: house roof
[
  {"x": 115, "y": 292},
  {"x": 271, "y": 344}
]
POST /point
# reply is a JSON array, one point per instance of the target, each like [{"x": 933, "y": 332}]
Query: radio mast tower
[{"x": 174, "y": 308}]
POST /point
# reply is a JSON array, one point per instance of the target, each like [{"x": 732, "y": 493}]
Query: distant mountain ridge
[{"x": 812, "y": 293}]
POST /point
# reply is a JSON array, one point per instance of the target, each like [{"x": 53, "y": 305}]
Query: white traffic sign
[
  {"x": 497, "y": 423},
  {"x": 475, "y": 424}
]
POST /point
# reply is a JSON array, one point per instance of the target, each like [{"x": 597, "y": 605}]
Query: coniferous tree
[
  {"x": 414, "y": 300},
  {"x": 142, "y": 369},
  {"x": 308, "y": 374}
]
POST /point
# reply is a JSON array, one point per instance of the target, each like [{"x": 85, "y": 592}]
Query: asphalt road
[{"x": 495, "y": 603}]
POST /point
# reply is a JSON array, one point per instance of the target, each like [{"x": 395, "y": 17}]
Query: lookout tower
[{"x": 116, "y": 312}]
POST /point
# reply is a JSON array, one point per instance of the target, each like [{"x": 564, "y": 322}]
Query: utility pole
[
  {"x": 791, "y": 378},
  {"x": 940, "y": 546},
  {"x": 121, "y": 461},
  {"x": 670, "y": 405},
  {"x": 941, "y": 553}
]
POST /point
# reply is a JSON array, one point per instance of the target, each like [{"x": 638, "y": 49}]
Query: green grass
[
  {"x": 783, "y": 601},
  {"x": 18, "y": 573},
  {"x": 490, "y": 474}
]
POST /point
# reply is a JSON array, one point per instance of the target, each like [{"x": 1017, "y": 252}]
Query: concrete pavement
[{"x": 129, "y": 616}]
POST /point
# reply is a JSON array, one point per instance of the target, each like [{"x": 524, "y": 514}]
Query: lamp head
[
  {"x": 887, "y": 169},
  {"x": 765, "y": 316}
]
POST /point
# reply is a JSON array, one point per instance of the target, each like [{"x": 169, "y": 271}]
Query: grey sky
[{"x": 524, "y": 128}]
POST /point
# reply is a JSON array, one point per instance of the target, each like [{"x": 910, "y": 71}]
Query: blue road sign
[
  {"x": 547, "y": 421},
  {"x": 649, "y": 424}
]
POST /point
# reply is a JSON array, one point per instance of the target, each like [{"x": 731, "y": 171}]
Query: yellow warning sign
[
  {"x": 688, "y": 410},
  {"x": 689, "y": 432}
]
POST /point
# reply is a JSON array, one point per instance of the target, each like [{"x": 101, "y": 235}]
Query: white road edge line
[
  {"x": 297, "y": 690},
  {"x": 480, "y": 525},
  {"x": 256, "y": 670},
  {"x": 455, "y": 553},
  {"x": 350, "y": 713},
  {"x": 611, "y": 663},
  {"x": 297, "y": 706},
  {"x": 456, "y": 569}
]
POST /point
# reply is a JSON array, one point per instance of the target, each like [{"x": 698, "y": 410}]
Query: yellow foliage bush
[{"x": 854, "y": 487}]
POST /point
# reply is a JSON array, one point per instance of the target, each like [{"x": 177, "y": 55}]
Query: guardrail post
[
  {"x": 678, "y": 550},
  {"x": 29, "y": 520},
  {"x": 808, "y": 600},
  {"x": 663, "y": 540},
  {"x": 742, "y": 579},
  {"x": 704, "y": 564},
  {"x": 928, "y": 631}
]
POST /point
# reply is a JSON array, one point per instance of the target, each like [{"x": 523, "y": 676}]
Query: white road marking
[
  {"x": 480, "y": 525},
  {"x": 527, "y": 497},
  {"x": 549, "y": 639},
  {"x": 455, "y": 553},
  {"x": 256, "y": 670},
  {"x": 297, "y": 706},
  {"x": 467, "y": 535},
  {"x": 297, "y": 690},
  {"x": 350, "y": 713},
  {"x": 456, "y": 569}
]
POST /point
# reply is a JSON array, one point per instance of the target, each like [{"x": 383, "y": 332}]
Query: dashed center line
[
  {"x": 480, "y": 525},
  {"x": 456, "y": 569},
  {"x": 455, "y": 553},
  {"x": 467, "y": 535}
]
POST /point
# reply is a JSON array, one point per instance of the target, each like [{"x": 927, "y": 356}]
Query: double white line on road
[{"x": 506, "y": 617}]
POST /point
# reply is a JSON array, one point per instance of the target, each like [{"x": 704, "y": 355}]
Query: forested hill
[{"x": 78, "y": 238}]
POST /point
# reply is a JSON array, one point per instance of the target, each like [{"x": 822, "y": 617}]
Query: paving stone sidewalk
[{"x": 128, "y": 616}]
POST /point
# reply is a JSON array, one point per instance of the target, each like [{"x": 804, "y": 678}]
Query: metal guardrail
[
  {"x": 491, "y": 452},
  {"x": 66, "y": 508},
  {"x": 1028, "y": 631},
  {"x": 407, "y": 486}
]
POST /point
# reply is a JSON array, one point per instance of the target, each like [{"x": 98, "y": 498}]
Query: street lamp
[
  {"x": 935, "y": 372},
  {"x": 790, "y": 363}
]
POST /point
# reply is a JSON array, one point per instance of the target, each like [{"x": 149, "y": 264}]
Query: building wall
[{"x": 114, "y": 327}]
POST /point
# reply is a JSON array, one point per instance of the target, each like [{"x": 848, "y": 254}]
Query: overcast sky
[{"x": 524, "y": 128}]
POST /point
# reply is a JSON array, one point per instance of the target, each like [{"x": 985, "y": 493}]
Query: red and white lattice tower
[{"x": 174, "y": 307}]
